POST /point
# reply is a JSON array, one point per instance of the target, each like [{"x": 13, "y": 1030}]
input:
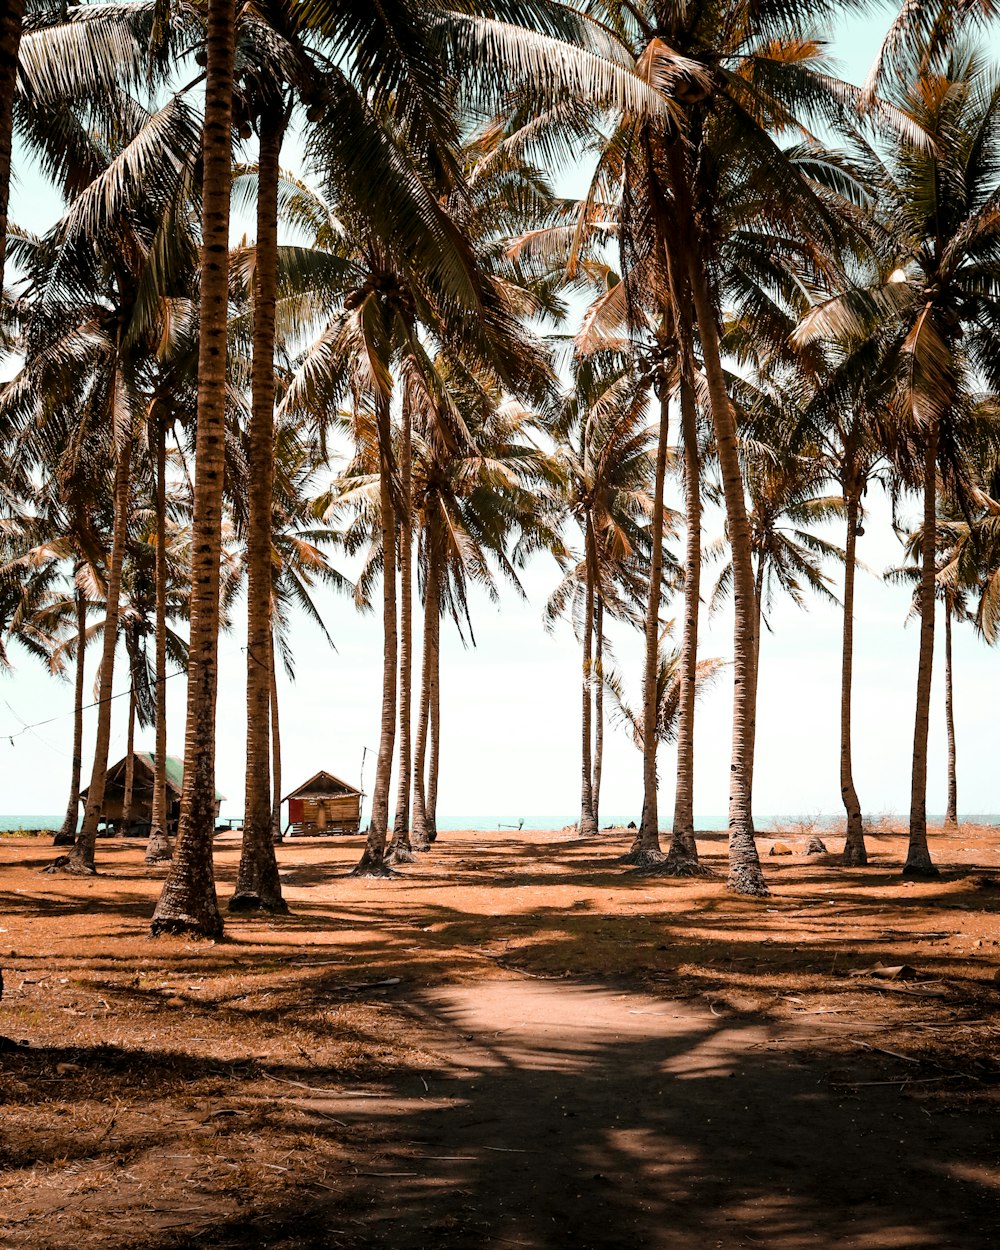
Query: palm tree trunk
[
  {"x": 682, "y": 858},
  {"x": 951, "y": 815},
  {"x": 855, "y": 852},
  {"x": 646, "y": 850},
  {"x": 372, "y": 862},
  {"x": 188, "y": 903},
  {"x": 158, "y": 847},
  {"x": 276, "y": 833},
  {"x": 758, "y": 631},
  {"x": 67, "y": 834},
  {"x": 401, "y": 851},
  {"x": 435, "y": 727},
  {"x": 129, "y": 764},
  {"x": 81, "y": 857},
  {"x": 588, "y": 826},
  {"x": 10, "y": 42},
  {"x": 745, "y": 874},
  {"x": 595, "y": 788},
  {"x": 258, "y": 886},
  {"x": 420, "y": 840},
  {"x": 918, "y": 857}
]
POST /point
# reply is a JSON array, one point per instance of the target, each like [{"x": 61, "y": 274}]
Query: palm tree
[
  {"x": 939, "y": 297},
  {"x": 299, "y": 564},
  {"x": 669, "y": 695},
  {"x": 188, "y": 903},
  {"x": 10, "y": 42},
  {"x": 94, "y": 320},
  {"x": 159, "y": 847},
  {"x": 258, "y": 885},
  {"x": 683, "y": 853},
  {"x": 727, "y": 80},
  {"x": 31, "y": 605},
  {"x": 606, "y": 469},
  {"x": 670, "y": 364},
  {"x": 957, "y": 575},
  {"x": 388, "y": 283},
  {"x": 785, "y": 487},
  {"x": 846, "y": 418}
]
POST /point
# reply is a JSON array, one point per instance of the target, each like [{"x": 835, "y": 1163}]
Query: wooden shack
[
  {"x": 324, "y": 804},
  {"x": 141, "y": 811}
]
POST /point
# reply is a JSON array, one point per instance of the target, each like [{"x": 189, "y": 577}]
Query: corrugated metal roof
[
  {"x": 174, "y": 768},
  {"x": 175, "y": 771}
]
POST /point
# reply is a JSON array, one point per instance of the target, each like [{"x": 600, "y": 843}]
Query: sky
[{"x": 511, "y": 705}]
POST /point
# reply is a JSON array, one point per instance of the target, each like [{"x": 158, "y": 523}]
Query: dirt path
[
  {"x": 515, "y": 1044},
  {"x": 573, "y": 1115}
]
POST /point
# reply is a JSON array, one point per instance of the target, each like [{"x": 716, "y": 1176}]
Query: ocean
[{"x": 489, "y": 823}]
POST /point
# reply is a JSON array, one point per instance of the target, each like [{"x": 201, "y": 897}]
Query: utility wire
[
  {"x": 96, "y": 703},
  {"x": 63, "y": 715}
]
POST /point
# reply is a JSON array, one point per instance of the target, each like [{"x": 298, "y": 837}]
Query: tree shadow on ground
[{"x": 678, "y": 1133}]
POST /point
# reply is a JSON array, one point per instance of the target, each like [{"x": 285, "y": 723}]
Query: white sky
[{"x": 510, "y": 707}]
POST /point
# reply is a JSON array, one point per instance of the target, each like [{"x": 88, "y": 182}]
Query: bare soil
[{"x": 514, "y": 1043}]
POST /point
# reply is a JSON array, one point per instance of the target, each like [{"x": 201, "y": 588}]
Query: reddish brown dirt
[{"x": 516, "y": 1043}]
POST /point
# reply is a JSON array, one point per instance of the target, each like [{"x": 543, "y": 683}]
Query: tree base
[
  {"x": 210, "y": 928},
  {"x": 72, "y": 867},
  {"x": 402, "y": 855},
  {"x": 643, "y": 857},
  {"x": 253, "y": 902},
  {"x": 158, "y": 850},
  {"x": 64, "y": 839},
  {"x": 855, "y": 855},
  {"x": 369, "y": 866},
  {"x": 681, "y": 866},
  {"x": 748, "y": 881},
  {"x": 920, "y": 871}
]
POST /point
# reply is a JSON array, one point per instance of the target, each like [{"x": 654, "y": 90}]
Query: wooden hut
[
  {"x": 141, "y": 811},
  {"x": 324, "y": 804}
]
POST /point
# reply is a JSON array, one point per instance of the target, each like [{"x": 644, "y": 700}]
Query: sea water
[{"x": 492, "y": 823}]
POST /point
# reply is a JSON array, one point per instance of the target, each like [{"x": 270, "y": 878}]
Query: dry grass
[{"x": 160, "y": 1087}]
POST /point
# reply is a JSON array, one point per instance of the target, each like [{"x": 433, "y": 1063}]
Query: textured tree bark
[
  {"x": 855, "y": 852},
  {"x": 11, "y": 17},
  {"x": 67, "y": 834},
  {"x": 129, "y": 764},
  {"x": 81, "y": 857},
  {"x": 372, "y": 862},
  {"x": 188, "y": 903},
  {"x": 435, "y": 728},
  {"x": 276, "y": 833},
  {"x": 401, "y": 851},
  {"x": 588, "y": 826},
  {"x": 918, "y": 856},
  {"x": 646, "y": 851},
  {"x": 158, "y": 848},
  {"x": 258, "y": 886},
  {"x": 951, "y": 815},
  {"x": 595, "y": 788},
  {"x": 745, "y": 874},
  {"x": 419, "y": 840},
  {"x": 682, "y": 858}
]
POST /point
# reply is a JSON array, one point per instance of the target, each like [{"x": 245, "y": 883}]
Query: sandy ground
[{"x": 516, "y": 1043}]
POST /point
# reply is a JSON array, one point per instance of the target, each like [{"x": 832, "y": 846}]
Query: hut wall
[{"x": 340, "y": 813}]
